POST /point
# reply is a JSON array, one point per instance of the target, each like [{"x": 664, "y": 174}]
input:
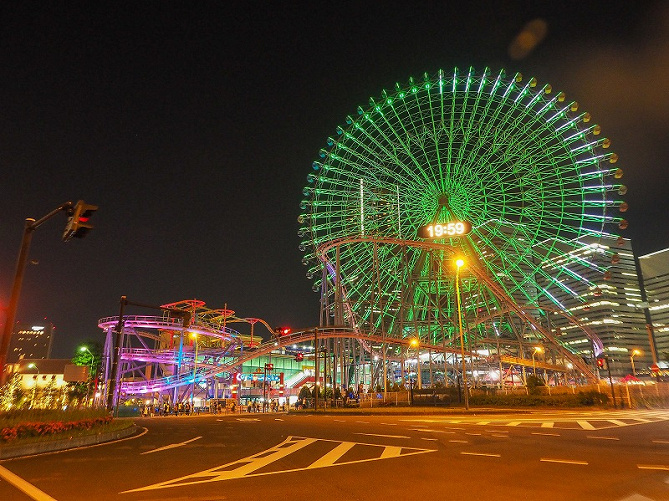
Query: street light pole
[
  {"x": 459, "y": 263},
  {"x": 634, "y": 352}
]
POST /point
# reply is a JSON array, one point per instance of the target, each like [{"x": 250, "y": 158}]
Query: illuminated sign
[
  {"x": 445, "y": 230},
  {"x": 257, "y": 377}
]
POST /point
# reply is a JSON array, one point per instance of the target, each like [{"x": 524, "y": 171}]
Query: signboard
[{"x": 450, "y": 229}]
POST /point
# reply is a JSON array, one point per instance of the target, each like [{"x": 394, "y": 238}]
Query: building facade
[
  {"x": 655, "y": 274},
  {"x": 30, "y": 341}
]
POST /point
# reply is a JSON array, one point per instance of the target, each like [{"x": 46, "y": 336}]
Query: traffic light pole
[{"x": 30, "y": 226}]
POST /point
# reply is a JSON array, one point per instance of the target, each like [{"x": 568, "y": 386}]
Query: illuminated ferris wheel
[{"x": 501, "y": 170}]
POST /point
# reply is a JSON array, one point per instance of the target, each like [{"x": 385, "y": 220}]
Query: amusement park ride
[{"x": 497, "y": 171}]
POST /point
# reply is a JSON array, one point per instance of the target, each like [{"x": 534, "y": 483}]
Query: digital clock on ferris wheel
[{"x": 445, "y": 230}]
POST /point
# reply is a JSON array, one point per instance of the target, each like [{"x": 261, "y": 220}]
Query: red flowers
[{"x": 41, "y": 429}]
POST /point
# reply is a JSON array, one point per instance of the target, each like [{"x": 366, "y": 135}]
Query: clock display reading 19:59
[{"x": 445, "y": 230}]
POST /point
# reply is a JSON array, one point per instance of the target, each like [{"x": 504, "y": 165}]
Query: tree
[{"x": 11, "y": 393}]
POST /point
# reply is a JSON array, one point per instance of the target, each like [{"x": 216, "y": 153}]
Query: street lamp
[
  {"x": 33, "y": 366},
  {"x": 459, "y": 263},
  {"x": 537, "y": 349},
  {"x": 192, "y": 395},
  {"x": 414, "y": 343},
  {"x": 634, "y": 352},
  {"x": 88, "y": 392}
]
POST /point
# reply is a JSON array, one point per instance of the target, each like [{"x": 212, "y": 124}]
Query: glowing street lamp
[
  {"x": 33, "y": 366},
  {"x": 537, "y": 349},
  {"x": 459, "y": 263},
  {"x": 632, "y": 355}
]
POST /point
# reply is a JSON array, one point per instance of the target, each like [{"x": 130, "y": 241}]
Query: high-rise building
[
  {"x": 655, "y": 274},
  {"x": 613, "y": 306},
  {"x": 31, "y": 341}
]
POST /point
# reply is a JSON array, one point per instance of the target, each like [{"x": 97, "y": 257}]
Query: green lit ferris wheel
[{"x": 521, "y": 165}]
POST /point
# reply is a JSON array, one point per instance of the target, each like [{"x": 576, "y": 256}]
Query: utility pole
[{"x": 77, "y": 226}]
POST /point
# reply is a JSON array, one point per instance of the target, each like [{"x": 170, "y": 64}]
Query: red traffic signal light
[{"x": 78, "y": 222}]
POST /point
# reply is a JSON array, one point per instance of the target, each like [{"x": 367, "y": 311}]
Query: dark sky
[{"x": 194, "y": 128}]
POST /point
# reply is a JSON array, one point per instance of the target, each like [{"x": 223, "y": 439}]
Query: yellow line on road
[
  {"x": 24, "y": 486},
  {"x": 565, "y": 461}
]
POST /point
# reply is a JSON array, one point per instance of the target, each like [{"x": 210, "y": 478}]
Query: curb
[{"x": 14, "y": 451}]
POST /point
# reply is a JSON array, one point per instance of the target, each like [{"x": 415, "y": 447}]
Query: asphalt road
[{"x": 620, "y": 455}]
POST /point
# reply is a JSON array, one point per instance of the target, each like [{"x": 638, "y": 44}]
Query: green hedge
[{"x": 564, "y": 400}]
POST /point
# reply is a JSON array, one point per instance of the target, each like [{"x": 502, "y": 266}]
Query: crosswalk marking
[
  {"x": 249, "y": 466},
  {"x": 171, "y": 446},
  {"x": 586, "y": 425},
  {"x": 548, "y": 424}
]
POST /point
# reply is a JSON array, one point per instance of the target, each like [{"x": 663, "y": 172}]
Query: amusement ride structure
[{"x": 498, "y": 173}]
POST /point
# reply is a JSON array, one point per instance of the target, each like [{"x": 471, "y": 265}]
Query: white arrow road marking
[
  {"x": 172, "y": 446},
  {"x": 249, "y": 466}
]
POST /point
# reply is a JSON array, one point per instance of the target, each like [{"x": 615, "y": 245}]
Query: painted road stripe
[
  {"x": 389, "y": 424},
  {"x": 499, "y": 436},
  {"x": 331, "y": 457},
  {"x": 339, "y": 421},
  {"x": 617, "y": 422},
  {"x": 514, "y": 423},
  {"x": 474, "y": 434},
  {"x": 660, "y": 441},
  {"x": 602, "y": 438},
  {"x": 171, "y": 446},
  {"x": 25, "y": 487},
  {"x": 565, "y": 461},
  {"x": 585, "y": 425},
  {"x": 379, "y": 435},
  {"x": 653, "y": 467},
  {"x": 483, "y": 423},
  {"x": 428, "y": 438},
  {"x": 547, "y": 424},
  {"x": 278, "y": 419},
  {"x": 546, "y": 434},
  {"x": 459, "y": 441},
  {"x": 481, "y": 454}
]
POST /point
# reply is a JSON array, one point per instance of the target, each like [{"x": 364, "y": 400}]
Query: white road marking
[
  {"x": 546, "y": 434},
  {"x": 475, "y": 434},
  {"x": 653, "y": 467},
  {"x": 585, "y": 425},
  {"x": 339, "y": 421},
  {"x": 24, "y": 486},
  {"x": 564, "y": 461},
  {"x": 379, "y": 435},
  {"x": 278, "y": 419},
  {"x": 660, "y": 441},
  {"x": 363, "y": 422},
  {"x": 602, "y": 438},
  {"x": 514, "y": 423},
  {"x": 389, "y": 424},
  {"x": 481, "y": 454},
  {"x": 547, "y": 424},
  {"x": 459, "y": 441},
  {"x": 250, "y": 466},
  {"x": 246, "y": 420},
  {"x": 171, "y": 446}
]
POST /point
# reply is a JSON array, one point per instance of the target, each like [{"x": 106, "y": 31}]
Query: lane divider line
[
  {"x": 171, "y": 446},
  {"x": 653, "y": 467},
  {"x": 602, "y": 438},
  {"x": 482, "y": 454},
  {"x": 24, "y": 486},
  {"x": 564, "y": 461}
]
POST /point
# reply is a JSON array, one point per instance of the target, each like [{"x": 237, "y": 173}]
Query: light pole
[
  {"x": 634, "y": 352},
  {"x": 88, "y": 392},
  {"x": 537, "y": 349},
  {"x": 459, "y": 263},
  {"x": 192, "y": 395},
  {"x": 33, "y": 366},
  {"x": 414, "y": 343}
]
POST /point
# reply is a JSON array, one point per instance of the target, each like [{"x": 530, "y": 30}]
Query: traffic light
[
  {"x": 602, "y": 364},
  {"x": 299, "y": 357},
  {"x": 282, "y": 331},
  {"x": 78, "y": 222}
]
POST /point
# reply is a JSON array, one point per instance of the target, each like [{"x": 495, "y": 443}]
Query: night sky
[{"x": 194, "y": 128}]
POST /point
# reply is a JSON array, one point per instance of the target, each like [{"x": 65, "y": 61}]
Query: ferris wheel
[{"x": 501, "y": 170}]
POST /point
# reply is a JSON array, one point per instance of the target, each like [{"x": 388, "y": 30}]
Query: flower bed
[{"x": 23, "y": 430}]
